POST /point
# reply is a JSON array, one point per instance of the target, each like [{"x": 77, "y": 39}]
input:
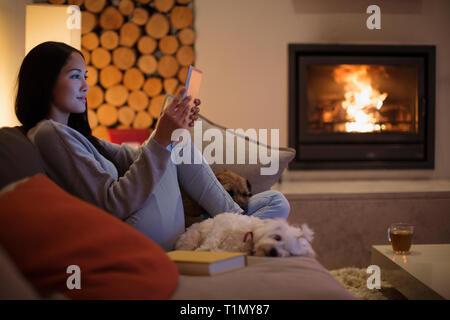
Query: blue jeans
[{"x": 199, "y": 181}]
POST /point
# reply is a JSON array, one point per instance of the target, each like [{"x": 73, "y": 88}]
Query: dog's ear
[
  {"x": 249, "y": 186},
  {"x": 307, "y": 232}
]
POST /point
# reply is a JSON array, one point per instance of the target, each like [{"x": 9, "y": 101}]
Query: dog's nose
[{"x": 272, "y": 253}]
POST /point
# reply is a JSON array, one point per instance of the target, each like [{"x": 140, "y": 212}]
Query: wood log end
[
  {"x": 109, "y": 39},
  {"x": 133, "y": 79},
  {"x": 111, "y": 19},
  {"x": 101, "y": 132},
  {"x": 126, "y": 7},
  {"x": 88, "y": 22},
  {"x": 126, "y": 116},
  {"x": 181, "y": 17},
  {"x": 107, "y": 114},
  {"x": 110, "y": 76},
  {"x": 129, "y": 34},
  {"x": 170, "y": 85},
  {"x": 138, "y": 100},
  {"x": 157, "y": 26},
  {"x": 167, "y": 66},
  {"x": 124, "y": 57},
  {"x": 164, "y": 5},
  {"x": 147, "y": 64},
  {"x": 100, "y": 57},
  {"x": 185, "y": 55},
  {"x": 139, "y": 16},
  {"x": 142, "y": 120},
  {"x": 116, "y": 95},
  {"x": 186, "y": 36},
  {"x": 89, "y": 41},
  {"x": 168, "y": 44},
  {"x": 155, "y": 106},
  {"x": 153, "y": 86},
  {"x": 94, "y": 97},
  {"x": 95, "y": 6},
  {"x": 92, "y": 118},
  {"x": 92, "y": 76}
]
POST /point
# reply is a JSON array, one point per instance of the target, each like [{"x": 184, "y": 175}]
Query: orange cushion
[{"x": 45, "y": 229}]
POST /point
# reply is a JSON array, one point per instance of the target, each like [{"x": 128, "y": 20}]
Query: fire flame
[{"x": 361, "y": 98}]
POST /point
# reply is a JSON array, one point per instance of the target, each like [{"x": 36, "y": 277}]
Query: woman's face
[{"x": 69, "y": 94}]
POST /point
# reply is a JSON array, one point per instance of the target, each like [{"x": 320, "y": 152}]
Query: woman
[{"x": 137, "y": 186}]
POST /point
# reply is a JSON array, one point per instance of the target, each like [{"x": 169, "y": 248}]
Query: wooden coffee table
[{"x": 422, "y": 274}]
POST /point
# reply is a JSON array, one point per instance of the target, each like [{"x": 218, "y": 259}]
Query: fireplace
[{"x": 361, "y": 106}]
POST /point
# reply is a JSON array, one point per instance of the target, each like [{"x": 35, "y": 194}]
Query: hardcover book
[{"x": 206, "y": 262}]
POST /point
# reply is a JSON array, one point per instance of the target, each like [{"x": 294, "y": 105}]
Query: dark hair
[{"x": 37, "y": 78}]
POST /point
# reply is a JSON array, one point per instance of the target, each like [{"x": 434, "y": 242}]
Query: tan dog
[{"x": 238, "y": 187}]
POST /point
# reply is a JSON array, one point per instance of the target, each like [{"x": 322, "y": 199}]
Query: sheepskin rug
[{"x": 355, "y": 281}]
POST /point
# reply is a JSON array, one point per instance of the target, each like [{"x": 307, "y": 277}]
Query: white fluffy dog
[{"x": 260, "y": 237}]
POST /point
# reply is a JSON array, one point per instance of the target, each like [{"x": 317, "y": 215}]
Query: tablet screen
[
  {"x": 192, "y": 87},
  {"x": 193, "y": 81}
]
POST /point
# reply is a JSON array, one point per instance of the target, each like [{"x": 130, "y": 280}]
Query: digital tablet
[{"x": 193, "y": 81}]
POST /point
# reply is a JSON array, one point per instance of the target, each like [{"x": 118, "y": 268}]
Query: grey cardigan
[{"x": 75, "y": 164}]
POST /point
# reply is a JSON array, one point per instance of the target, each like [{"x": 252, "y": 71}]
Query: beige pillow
[{"x": 259, "y": 180}]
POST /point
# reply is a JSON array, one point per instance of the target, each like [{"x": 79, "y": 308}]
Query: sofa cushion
[
  {"x": 293, "y": 278},
  {"x": 259, "y": 182},
  {"x": 13, "y": 285},
  {"x": 45, "y": 230},
  {"x": 19, "y": 158}
]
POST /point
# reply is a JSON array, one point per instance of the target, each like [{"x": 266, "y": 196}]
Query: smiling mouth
[{"x": 82, "y": 99}]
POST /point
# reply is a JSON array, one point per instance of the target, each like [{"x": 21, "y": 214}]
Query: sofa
[{"x": 44, "y": 230}]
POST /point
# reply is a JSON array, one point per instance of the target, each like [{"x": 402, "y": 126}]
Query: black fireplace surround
[{"x": 362, "y": 106}]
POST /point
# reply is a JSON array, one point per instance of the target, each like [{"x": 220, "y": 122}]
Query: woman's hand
[
  {"x": 178, "y": 115},
  {"x": 193, "y": 116}
]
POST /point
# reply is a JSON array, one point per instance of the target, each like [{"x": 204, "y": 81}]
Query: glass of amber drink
[{"x": 400, "y": 236}]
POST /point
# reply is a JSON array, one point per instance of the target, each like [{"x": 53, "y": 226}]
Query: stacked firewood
[{"x": 136, "y": 52}]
